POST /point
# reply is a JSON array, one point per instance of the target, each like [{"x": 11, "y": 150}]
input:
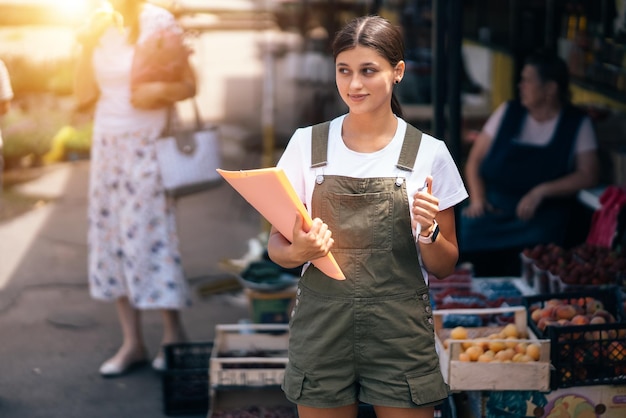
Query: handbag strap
[
  {"x": 168, "y": 130},
  {"x": 185, "y": 140}
]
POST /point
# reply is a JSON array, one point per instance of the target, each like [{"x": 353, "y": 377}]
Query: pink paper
[{"x": 269, "y": 191}]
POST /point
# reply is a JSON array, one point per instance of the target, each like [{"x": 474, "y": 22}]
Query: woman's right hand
[
  {"x": 476, "y": 208},
  {"x": 312, "y": 244}
]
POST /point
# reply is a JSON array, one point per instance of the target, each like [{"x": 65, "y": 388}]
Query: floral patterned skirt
[{"x": 133, "y": 244}]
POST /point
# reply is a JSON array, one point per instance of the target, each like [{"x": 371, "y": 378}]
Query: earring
[{"x": 396, "y": 81}]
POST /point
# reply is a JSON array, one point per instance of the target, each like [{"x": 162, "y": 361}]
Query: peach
[
  {"x": 484, "y": 358},
  {"x": 579, "y": 320},
  {"x": 592, "y": 305},
  {"x": 597, "y": 320},
  {"x": 504, "y": 355},
  {"x": 536, "y": 315},
  {"x": 545, "y": 322},
  {"x": 565, "y": 312},
  {"x": 521, "y": 347},
  {"x": 497, "y": 345},
  {"x": 458, "y": 333},
  {"x": 533, "y": 351},
  {"x": 608, "y": 316},
  {"x": 510, "y": 330},
  {"x": 474, "y": 352}
]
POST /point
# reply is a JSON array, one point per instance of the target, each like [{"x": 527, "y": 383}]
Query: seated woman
[{"x": 525, "y": 168}]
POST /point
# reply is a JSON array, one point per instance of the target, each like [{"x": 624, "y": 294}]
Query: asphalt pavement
[{"x": 53, "y": 336}]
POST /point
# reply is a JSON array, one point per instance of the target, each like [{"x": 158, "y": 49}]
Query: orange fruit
[
  {"x": 458, "y": 333},
  {"x": 533, "y": 351},
  {"x": 510, "y": 330},
  {"x": 474, "y": 352}
]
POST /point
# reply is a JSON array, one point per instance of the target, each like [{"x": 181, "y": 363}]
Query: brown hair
[{"x": 377, "y": 33}]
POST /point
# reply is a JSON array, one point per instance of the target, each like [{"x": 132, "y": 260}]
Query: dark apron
[
  {"x": 377, "y": 324},
  {"x": 510, "y": 170}
]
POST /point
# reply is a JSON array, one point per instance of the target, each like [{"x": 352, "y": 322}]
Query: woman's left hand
[
  {"x": 148, "y": 96},
  {"x": 425, "y": 209},
  {"x": 528, "y": 205}
]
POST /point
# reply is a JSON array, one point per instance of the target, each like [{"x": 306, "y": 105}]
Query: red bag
[
  {"x": 161, "y": 57},
  {"x": 604, "y": 221}
]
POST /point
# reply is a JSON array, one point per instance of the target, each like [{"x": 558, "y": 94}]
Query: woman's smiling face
[{"x": 365, "y": 79}]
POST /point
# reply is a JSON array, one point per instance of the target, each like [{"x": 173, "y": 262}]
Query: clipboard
[{"x": 269, "y": 191}]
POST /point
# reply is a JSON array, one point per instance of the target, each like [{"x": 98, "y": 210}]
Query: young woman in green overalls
[{"x": 366, "y": 178}]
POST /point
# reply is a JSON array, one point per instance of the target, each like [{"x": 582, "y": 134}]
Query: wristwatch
[{"x": 430, "y": 238}]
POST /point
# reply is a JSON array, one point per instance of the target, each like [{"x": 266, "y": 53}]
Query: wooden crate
[
  {"x": 249, "y": 355},
  {"x": 250, "y": 401},
  {"x": 462, "y": 375}
]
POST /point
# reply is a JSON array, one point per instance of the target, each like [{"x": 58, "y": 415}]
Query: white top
[
  {"x": 6, "y": 92},
  {"x": 112, "y": 63},
  {"x": 433, "y": 158},
  {"x": 540, "y": 133}
]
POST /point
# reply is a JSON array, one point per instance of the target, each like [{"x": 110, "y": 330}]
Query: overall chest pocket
[{"x": 359, "y": 221}]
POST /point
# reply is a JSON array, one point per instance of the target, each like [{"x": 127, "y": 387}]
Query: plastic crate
[
  {"x": 585, "y": 355},
  {"x": 185, "y": 381}
]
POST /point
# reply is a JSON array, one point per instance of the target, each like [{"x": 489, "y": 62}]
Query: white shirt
[
  {"x": 539, "y": 133},
  {"x": 112, "y": 61},
  {"x": 6, "y": 92},
  {"x": 433, "y": 158}
]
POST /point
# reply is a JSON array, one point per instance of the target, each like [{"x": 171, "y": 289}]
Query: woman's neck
[
  {"x": 364, "y": 133},
  {"x": 545, "y": 112}
]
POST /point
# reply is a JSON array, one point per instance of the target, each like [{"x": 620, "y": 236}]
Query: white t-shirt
[
  {"x": 112, "y": 61},
  {"x": 540, "y": 133},
  {"x": 433, "y": 159},
  {"x": 6, "y": 92}
]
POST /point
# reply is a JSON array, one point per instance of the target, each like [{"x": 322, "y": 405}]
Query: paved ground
[{"x": 53, "y": 337}]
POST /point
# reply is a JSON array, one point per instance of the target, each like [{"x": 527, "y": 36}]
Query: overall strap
[
  {"x": 410, "y": 146},
  {"x": 319, "y": 144},
  {"x": 406, "y": 160}
]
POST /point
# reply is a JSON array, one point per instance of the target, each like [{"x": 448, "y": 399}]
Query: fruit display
[
  {"x": 507, "y": 345},
  {"x": 582, "y": 265},
  {"x": 485, "y": 358},
  {"x": 574, "y": 311},
  {"x": 587, "y": 337}
]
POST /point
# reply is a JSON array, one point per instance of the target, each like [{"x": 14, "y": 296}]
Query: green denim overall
[{"x": 369, "y": 338}]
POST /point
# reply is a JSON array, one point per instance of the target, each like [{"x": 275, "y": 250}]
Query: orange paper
[{"x": 273, "y": 196}]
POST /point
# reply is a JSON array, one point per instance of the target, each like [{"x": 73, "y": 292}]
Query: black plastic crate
[
  {"x": 586, "y": 355},
  {"x": 185, "y": 381}
]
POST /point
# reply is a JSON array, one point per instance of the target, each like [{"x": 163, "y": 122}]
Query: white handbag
[{"x": 188, "y": 159}]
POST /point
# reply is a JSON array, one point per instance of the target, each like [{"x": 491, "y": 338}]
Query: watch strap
[{"x": 432, "y": 237}]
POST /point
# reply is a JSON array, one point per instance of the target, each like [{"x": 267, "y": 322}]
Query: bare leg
[
  {"x": 173, "y": 332},
  {"x": 389, "y": 412},
  {"x": 173, "y": 328},
  {"x": 133, "y": 349},
  {"x": 349, "y": 411}
]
